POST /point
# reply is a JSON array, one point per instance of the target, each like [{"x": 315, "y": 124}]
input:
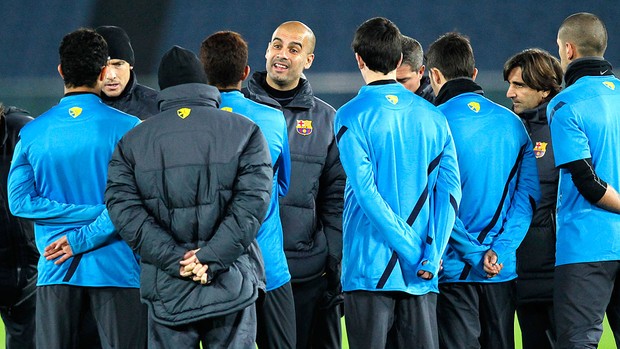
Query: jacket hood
[{"x": 193, "y": 93}]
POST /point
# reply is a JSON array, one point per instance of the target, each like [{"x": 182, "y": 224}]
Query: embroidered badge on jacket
[
  {"x": 474, "y": 106},
  {"x": 393, "y": 99},
  {"x": 184, "y": 112},
  {"x": 304, "y": 127},
  {"x": 75, "y": 112},
  {"x": 540, "y": 148},
  {"x": 610, "y": 85}
]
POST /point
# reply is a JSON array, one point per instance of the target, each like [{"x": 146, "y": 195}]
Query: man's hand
[
  {"x": 426, "y": 275},
  {"x": 490, "y": 265},
  {"x": 191, "y": 267},
  {"x": 59, "y": 248}
]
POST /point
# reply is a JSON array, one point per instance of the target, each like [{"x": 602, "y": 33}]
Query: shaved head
[
  {"x": 299, "y": 28},
  {"x": 289, "y": 53},
  {"x": 587, "y": 32}
]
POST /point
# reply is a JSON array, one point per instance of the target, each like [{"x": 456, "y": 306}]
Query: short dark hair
[
  {"x": 413, "y": 55},
  {"x": 539, "y": 70},
  {"x": 453, "y": 55},
  {"x": 378, "y": 42},
  {"x": 587, "y": 32},
  {"x": 224, "y": 56},
  {"x": 83, "y": 54}
]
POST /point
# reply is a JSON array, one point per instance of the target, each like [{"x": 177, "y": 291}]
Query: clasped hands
[
  {"x": 191, "y": 267},
  {"x": 490, "y": 265},
  {"x": 59, "y": 248}
]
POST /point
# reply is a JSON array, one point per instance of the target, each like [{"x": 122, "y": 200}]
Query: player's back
[{"x": 70, "y": 145}]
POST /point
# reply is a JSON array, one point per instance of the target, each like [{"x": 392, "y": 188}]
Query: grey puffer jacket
[{"x": 192, "y": 176}]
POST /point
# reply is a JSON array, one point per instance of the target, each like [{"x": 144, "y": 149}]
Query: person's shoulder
[
  {"x": 41, "y": 122},
  {"x": 561, "y": 103},
  {"x": 259, "y": 107},
  {"x": 351, "y": 109},
  {"x": 16, "y": 118},
  {"x": 324, "y": 106},
  {"x": 119, "y": 116},
  {"x": 145, "y": 91}
]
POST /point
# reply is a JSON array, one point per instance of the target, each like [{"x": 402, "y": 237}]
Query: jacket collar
[
  {"x": 537, "y": 115},
  {"x": 304, "y": 99},
  {"x": 587, "y": 66},
  {"x": 456, "y": 87},
  {"x": 188, "y": 94}
]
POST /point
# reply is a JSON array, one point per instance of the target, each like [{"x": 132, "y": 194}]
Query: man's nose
[{"x": 510, "y": 93}]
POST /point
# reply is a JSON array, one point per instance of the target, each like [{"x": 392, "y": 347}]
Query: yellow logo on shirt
[
  {"x": 474, "y": 106},
  {"x": 393, "y": 99},
  {"x": 75, "y": 112},
  {"x": 183, "y": 112},
  {"x": 610, "y": 85},
  {"x": 304, "y": 127},
  {"x": 540, "y": 148},
  {"x": 227, "y": 109}
]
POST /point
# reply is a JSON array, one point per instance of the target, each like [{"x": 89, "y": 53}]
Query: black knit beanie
[
  {"x": 180, "y": 66},
  {"x": 119, "y": 46}
]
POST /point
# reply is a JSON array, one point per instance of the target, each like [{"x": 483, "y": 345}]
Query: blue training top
[
  {"x": 58, "y": 177},
  {"x": 499, "y": 179},
  {"x": 402, "y": 189},
  {"x": 585, "y": 123},
  {"x": 273, "y": 125}
]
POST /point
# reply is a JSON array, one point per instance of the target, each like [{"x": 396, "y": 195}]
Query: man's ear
[
  {"x": 436, "y": 76},
  {"x": 102, "y": 74},
  {"x": 60, "y": 72},
  {"x": 246, "y": 73},
  {"x": 571, "y": 51},
  {"x": 360, "y": 61},
  {"x": 309, "y": 60},
  {"x": 421, "y": 70},
  {"x": 473, "y": 77}
]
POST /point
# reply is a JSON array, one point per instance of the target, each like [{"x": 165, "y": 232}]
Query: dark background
[{"x": 30, "y": 32}]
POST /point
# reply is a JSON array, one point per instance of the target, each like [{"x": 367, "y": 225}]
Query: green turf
[{"x": 607, "y": 341}]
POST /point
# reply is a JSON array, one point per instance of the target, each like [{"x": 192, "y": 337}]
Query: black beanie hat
[
  {"x": 180, "y": 66},
  {"x": 119, "y": 46}
]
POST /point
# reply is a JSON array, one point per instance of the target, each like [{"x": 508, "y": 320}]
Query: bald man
[
  {"x": 311, "y": 212},
  {"x": 585, "y": 128}
]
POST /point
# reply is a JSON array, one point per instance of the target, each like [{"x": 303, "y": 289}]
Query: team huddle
[{"x": 208, "y": 213}]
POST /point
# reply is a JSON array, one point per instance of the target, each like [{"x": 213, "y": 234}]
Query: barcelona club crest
[
  {"x": 540, "y": 148},
  {"x": 304, "y": 127}
]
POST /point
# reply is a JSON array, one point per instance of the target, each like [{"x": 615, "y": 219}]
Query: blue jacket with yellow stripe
[
  {"x": 499, "y": 180},
  {"x": 402, "y": 189}
]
